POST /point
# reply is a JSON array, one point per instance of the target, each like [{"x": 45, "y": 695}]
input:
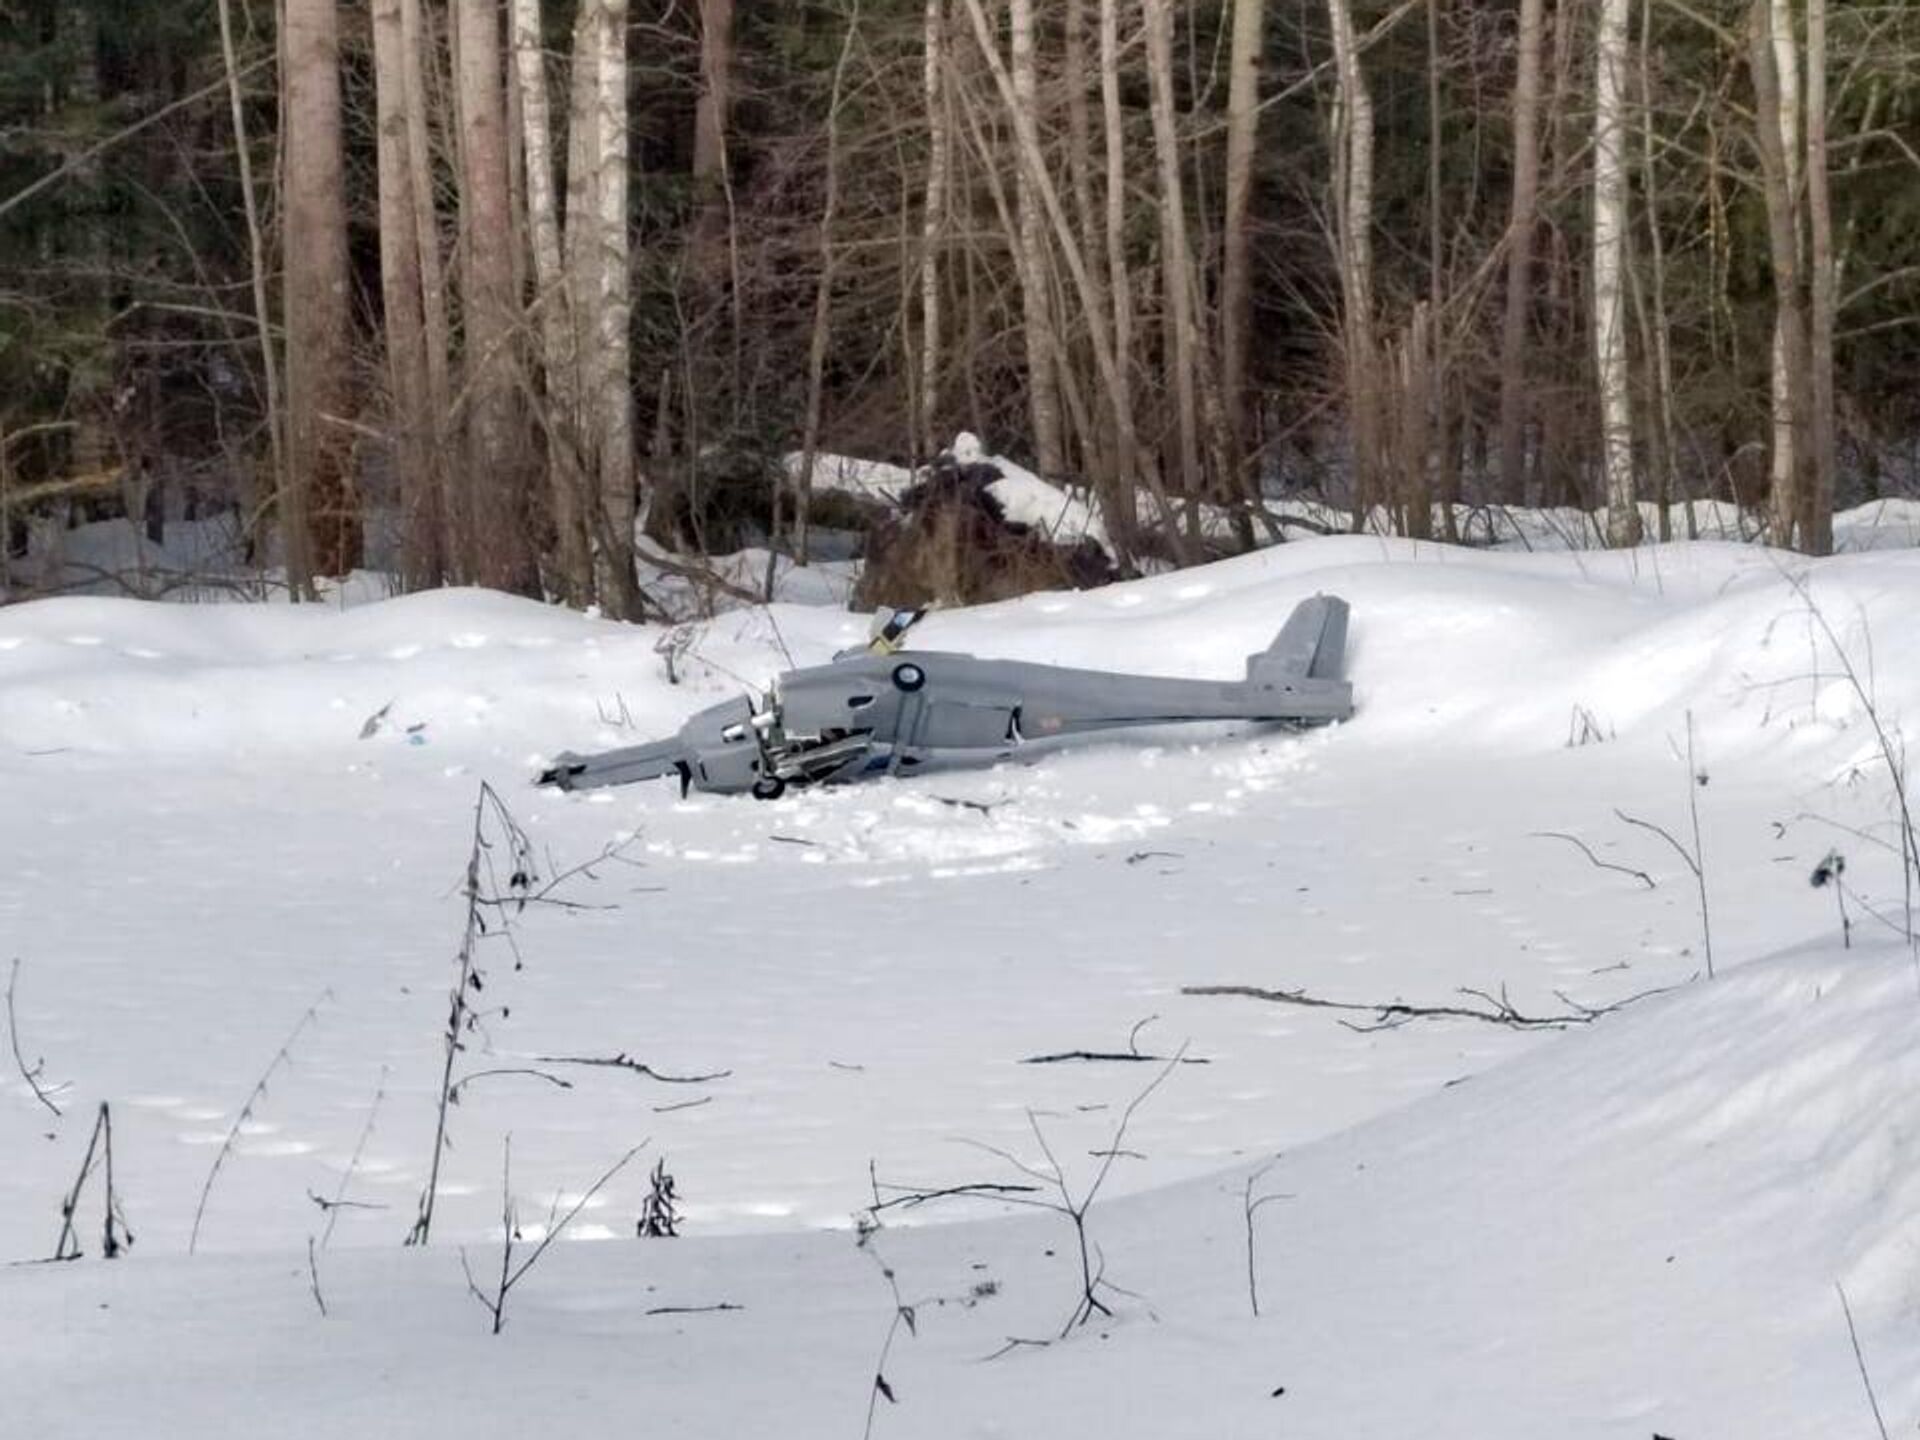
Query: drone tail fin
[{"x": 1312, "y": 645}]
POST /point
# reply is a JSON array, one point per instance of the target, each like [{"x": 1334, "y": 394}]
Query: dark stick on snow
[
  {"x": 29, "y": 1073},
  {"x": 1102, "y": 1056},
  {"x": 724, "y": 1305},
  {"x": 914, "y": 1198},
  {"x": 1861, "y": 1360},
  {"x": 623, "y": 1061},
  {"x": 313, "y": 1278},
  {"x": 1250, "y": 1205},
  {"x": 1132, "y": 1054},
  {"x": 683, "y": 1105},
  {"x": 1574, "y": 840},
  {"x": 67, "y": 1247},
  {"x": 1391, "y": 1015}
]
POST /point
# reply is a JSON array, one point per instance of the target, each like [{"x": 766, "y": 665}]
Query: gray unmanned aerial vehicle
[{"x": 891, "y": 710}]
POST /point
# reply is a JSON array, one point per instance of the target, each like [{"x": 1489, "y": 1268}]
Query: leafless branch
[
  {"x": 1582, "y": 846},
  {"x": 282, "y": 1056},
  {"x": 1860, "y": 1359},
  {"x": 623, "y": 1061},
  {"x": 30, "y": 1073},
  {"x": 1391, "y": 1015}
]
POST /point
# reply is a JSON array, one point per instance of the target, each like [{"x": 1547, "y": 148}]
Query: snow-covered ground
[{"x": 218, "y": 818}]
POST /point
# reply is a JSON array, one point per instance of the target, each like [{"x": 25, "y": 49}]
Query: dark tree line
[{"x": 471, "y": 289}]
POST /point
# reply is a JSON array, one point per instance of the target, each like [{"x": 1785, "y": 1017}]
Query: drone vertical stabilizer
[{"x": 1312, "y": 645}]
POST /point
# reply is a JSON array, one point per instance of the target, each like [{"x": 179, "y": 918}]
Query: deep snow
[{"x": 1627, "y": 1230}]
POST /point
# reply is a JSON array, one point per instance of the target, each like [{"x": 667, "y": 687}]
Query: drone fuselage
[{"x": 868, "y": 713}]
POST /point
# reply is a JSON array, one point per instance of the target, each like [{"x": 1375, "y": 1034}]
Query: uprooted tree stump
[{"x": 950, "y": 542}]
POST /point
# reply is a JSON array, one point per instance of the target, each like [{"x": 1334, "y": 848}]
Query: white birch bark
[
  {"x": 1176, "y": 259},
  {"x": 1520, "y": 240},
  {"x": 411, "y": 418},
  {"x": 1353, "y": 235},
  {"x": 1786, "y": 115},
  {"x": 934, "y": 221},
  {"x": 1119, "y": 273},
  {"x": 1036, "y": 305},
  {"x": 554, "y": 307},
  {"x": 1236, "y": 283},
  {"x": 1609, "y": 262},
  {"x": 613, "y": 401}
]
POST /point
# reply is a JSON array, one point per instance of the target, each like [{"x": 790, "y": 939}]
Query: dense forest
[{"x": 477, "y": 291}]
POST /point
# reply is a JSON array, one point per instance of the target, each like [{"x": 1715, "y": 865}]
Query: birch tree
[
  {"x": 1043, "y": 381},
  {"x": 1817, "y": 529},
  {"x": 403, "y": 305},
  {"x": 1523, "y": 217},
  {"x": 1352, "y": 138},
  {"x": 1236, "y": 278},
  {"x": 612, "y": 398},
  {"x": 933, "y": 223},
  {"x": 1609, "y": 272},
  {"x": 489, "y": 511},
  {"x": 1776, "y": 127},
  {"x": 555, "y": 305}
]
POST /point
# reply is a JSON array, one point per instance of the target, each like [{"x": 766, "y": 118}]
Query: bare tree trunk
[
  {"x": 1520, "y": 227},
  {"x": 713, "y": 170},
  {"x": 436, "y": 522},
  {"x": 291, "y": 504},
  {"x": 1033, "y": 158},
  {"x": 822, "y": 302},
  {"x": 1779, "y": 168},
  {"x": 411, "y": 420},
  {"x": 715, "y": 107},
  {"x": 1430, "y": 327},
  {"x": 613, "y": 400},
  {"x": 1787, "y": 374},
  {"x": 934, "y": 224},
  {"x": 555, "y": 304},
  {"x": 1353, "y": 234},
  {"x": 1096, "y": 440},
  {"x": 1660, "y": 349},
  {"x": 319, "y": 388},
  {"x": 1127, "y": 461},
  {"x": 493, "y": 509},
  {"x": 1816, "y": 510},
  {"x": 1176, "y": 260},
  {"x": 581, "y": 256},
  {"x": 1236, "y": 277},
  {"x": 1609, "y": 272},
  {"x": 1036, "y": 302}
]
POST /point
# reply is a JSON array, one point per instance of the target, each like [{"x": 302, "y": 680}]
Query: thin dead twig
[
  {"x": 1131, "y": 1055},
  {"x": 1860, "y": 1359},
  {"x": 624, "y": 1061},
  {"x": 1642, "y": 876},
  {"x": 1391, "y": 1015},
  {"x": 30, "y": 1073},
  {"x": 511, "y": 1274},
  {"x": 282, "y": 1056}
]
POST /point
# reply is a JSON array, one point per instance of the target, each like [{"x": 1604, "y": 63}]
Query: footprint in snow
[
  {"x": 468, "y": 641},
  {"x": 83, "y": 640},
  {"x": 403, "y": 652}
]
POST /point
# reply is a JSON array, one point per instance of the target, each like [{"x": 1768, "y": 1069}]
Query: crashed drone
[{"x": 886, "y": 709}]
